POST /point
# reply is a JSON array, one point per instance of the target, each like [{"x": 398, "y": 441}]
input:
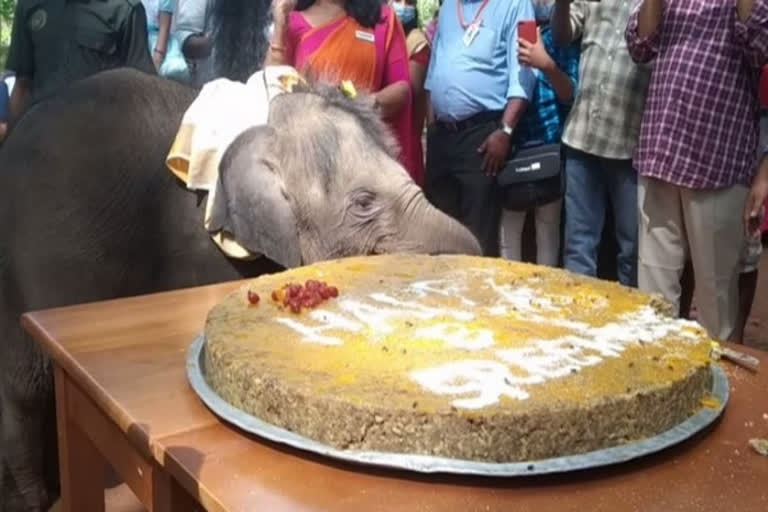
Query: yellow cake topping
[{"x": 462, "y": 332}]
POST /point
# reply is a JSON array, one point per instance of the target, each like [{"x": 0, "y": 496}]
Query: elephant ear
[{"x": 251, "y": 202}]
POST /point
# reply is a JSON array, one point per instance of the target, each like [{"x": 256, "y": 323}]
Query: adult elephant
[{"x": 89, "y": 212}]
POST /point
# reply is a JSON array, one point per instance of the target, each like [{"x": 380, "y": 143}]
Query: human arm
[
  {"x": 756, "y": 199},
  {"x": 751, "y": 31},
  {"x": 535, "y": 55},
  {"x": 418, "y": 69},
  {"x": 281, "y": 48},
  {"x": 568, "y": 18},
  {"x": 520, "y": 87},
  {"x": 643, "y": 32},
  {"x": 495, "y": 148},
  {"x": 430, "y": 111},
  {"x": 134, "y": 41},
  {"x": 190, "y": 29},
  {"x": 22, "y": 90},
  {"x": 396, "y": 92},
  {"x": 164, "y": 28}
]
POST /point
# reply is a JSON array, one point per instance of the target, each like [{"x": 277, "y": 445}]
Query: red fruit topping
[
  {"x": 333, "y": 291},
  {"x": 253, "y": 297},
  {"x": 312, "y": 284},
  {"x": 294, "y": 290},
  {"x": 325, "y": 293},
  {"x": 295, "y": 307}
]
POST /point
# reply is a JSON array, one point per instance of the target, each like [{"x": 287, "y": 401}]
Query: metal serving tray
[{"x": 431, "y": 464}]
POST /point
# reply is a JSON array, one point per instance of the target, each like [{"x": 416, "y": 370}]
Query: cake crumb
[
  {"x": 765, "y": 416},
  {"x": 760, "y": 446}
]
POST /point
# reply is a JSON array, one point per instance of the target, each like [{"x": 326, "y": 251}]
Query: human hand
[
  {"x": 3, "y": 131},
  {"x": 157, "y": 59},
  {"x": 534, "y": 54},
  {"x": 282, "y": 8},
  {"x": 495, "y": 150},
  {"x": 754, "y": 203}
]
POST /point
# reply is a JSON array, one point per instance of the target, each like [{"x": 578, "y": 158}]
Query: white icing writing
[
  {"x": 479, "y": 383},
  {"x": 487, "y": 380},
  {"x": 546, "y": 359}
]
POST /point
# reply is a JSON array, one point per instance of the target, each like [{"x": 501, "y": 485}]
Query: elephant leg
[
  {"x": 24, "y": 453},
  {"x": 25, "y": 399}
]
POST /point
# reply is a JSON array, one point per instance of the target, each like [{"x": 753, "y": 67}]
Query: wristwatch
[{"x": 506, "y": 129}]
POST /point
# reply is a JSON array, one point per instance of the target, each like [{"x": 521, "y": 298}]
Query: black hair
[
  {"x": 366, "y": 12},
  {"x": 240, "y": 37}
]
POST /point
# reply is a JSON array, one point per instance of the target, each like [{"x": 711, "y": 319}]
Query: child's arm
[
  {"x": 535, "y": 55},
  {"x": 164, "y": 25}
]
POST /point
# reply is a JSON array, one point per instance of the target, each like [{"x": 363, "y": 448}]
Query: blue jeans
[{"x": 591, "y": 182}]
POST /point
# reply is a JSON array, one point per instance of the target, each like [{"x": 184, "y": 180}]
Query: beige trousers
[
  {"x": 547, "y": 219},
  {"x": 705, "y": 225}
]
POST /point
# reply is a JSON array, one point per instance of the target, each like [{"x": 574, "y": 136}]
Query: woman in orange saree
[{"x": 357, "y": 40}]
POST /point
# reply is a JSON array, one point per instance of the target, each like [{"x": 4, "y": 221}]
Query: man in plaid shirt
[
  {"x": 601, "y": 134},
  {"x": 698, "y": 142}
]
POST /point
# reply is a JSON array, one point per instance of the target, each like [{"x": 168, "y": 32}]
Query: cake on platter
[{"x": 455, "y": 356}]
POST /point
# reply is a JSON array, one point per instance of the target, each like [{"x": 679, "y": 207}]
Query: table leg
[
  {"x": 169, "y": 496},
  {"x": 81, "y": 466}
]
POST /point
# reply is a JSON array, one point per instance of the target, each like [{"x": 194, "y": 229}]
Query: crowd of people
[{"x": 644, "y": 111}]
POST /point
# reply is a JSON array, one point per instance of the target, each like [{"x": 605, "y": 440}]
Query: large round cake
[{"x": 455, "y": 356}]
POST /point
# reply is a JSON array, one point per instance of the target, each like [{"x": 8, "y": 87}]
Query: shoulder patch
[{"x": 37, "y": 19}]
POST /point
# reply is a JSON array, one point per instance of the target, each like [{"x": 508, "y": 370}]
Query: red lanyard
[{"x": 460, "y": 10}]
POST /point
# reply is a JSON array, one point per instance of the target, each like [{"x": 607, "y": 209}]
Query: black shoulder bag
[{"x": 532, "y": 177}]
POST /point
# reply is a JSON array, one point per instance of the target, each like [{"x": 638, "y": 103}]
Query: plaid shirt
[
  {"x": 605, "y": 118},
  {"x": 701, "y": 124},
  {"x": 545, "y": 117}
]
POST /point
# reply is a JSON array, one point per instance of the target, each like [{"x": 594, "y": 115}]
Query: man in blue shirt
[{"x": 478, "y": 92}]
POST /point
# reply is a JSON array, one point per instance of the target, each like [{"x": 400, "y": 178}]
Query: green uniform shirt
[{"x": 55, "y": 42}]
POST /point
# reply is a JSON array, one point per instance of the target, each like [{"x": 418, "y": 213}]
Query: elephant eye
[{"x": 364, "y": 200}]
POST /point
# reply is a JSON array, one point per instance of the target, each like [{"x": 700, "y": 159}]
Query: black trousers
[{"x": 457, "y": 185}]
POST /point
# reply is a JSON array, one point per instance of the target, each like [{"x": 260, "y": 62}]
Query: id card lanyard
[{"x": 471, "y": 29}]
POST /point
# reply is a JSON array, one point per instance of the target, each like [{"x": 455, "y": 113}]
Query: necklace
[{"x": 476, "y": 20}]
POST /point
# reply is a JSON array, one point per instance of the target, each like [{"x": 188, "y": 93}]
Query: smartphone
[{"x": 527, "y": 30}]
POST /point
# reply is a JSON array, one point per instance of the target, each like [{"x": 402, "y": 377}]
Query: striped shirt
[
  {"x": 701, "y": 125},
  {"x": 606, "y": 114},
  {"x": 545, "y": 117}
]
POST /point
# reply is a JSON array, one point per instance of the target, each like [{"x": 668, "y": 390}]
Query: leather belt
[{"x": 465, "y": 124}]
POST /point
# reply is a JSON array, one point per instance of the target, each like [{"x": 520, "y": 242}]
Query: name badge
[
  {"x": 365, "y": 36},
  {"x": 471, "y": 33}
]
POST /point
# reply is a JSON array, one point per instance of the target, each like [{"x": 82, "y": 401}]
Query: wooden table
[{"x": 123, "y": 398}]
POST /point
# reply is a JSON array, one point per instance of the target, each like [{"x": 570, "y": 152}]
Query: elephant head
[{"x": 321, "y": 181}]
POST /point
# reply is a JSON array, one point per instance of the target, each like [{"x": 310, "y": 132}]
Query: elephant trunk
[{"x": 438, "y": 233}]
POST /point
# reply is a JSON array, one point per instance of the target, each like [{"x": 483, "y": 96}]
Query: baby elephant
[{"x": 90, "y": 212}]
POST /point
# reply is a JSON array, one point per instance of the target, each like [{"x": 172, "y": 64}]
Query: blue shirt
[
  {"x": 466, "y": 80},
  {"x": 545, "y": 116}
]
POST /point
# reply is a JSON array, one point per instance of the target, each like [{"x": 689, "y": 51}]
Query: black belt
[{"x": 477, "y": 119}]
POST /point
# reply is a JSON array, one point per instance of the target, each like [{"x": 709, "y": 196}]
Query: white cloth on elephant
[{"x": 223, "y": 110}]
